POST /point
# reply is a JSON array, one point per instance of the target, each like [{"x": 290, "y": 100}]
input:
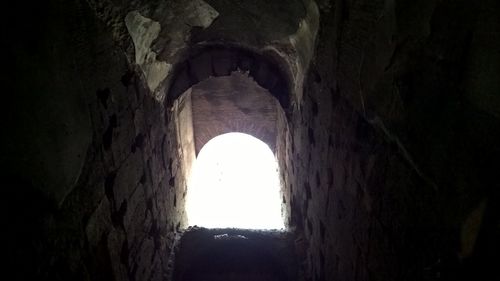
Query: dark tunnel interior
[{"x": 383, "y": 117}]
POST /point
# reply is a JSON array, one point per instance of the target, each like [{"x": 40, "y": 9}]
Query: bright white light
[{"x": 235, "y": 183}]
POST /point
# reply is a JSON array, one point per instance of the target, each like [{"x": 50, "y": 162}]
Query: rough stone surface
[
  {"x": 143, "y": 32},
  {"x": 88, "y": 167},
  {"x": 393, "y": 151}
]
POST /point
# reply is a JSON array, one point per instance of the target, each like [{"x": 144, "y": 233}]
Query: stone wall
[
  {"x": 233, "y": 103},
  {"x": 393, "y": 149},
  {"x": 89, "y": 167}
]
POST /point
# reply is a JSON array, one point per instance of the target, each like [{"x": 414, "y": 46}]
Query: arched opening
[
  {"x": 235, "y": 183},
  {"x": 219, "y": 90}
]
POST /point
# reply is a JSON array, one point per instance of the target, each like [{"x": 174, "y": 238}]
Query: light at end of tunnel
[{"x": 235, "y": 183}]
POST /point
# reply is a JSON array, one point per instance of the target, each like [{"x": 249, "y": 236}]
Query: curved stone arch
[
  {"x": 207, "y": 61},
  {"x": 266, "y": 70}
]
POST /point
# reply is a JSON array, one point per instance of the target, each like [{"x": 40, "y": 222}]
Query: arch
[
  {"x": 221, "y": 60},
  {"x": 263, "y": 114}
]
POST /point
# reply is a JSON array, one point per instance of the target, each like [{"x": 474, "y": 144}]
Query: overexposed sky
[{"x": 235, "y": 183}]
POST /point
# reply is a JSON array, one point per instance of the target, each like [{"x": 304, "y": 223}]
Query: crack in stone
[{"x": 377, "y": 122}]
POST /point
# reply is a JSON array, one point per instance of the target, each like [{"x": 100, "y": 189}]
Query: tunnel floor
[{"x": 235, "y": 254}]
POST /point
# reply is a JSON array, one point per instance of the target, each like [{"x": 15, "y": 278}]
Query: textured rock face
[
  {"x": 143, "y": 32},
  {"x": 90, "y": 157},
  {"x": 393, "y": 151}
]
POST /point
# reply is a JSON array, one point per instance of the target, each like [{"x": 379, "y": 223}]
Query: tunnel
[{"x": 381, "y": 118}]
